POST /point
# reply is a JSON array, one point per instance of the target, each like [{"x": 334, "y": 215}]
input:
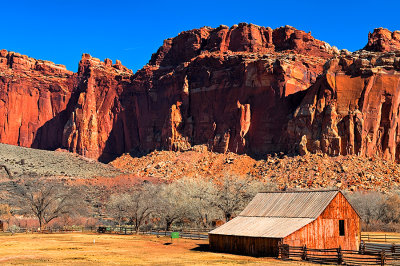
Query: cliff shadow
[{"x": 50, "y": 135}]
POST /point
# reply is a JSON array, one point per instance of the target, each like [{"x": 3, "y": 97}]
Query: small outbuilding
[{"x": 318, "y": 219}]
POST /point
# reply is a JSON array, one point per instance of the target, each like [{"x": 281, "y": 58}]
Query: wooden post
[
  {"x": 362, "y": 248},
  {"x": 279, "y": 249},
  {"x": 304, "y": 254},
  {"x": 285, "y": 251},
  {"x": 339, "y": 256},
  {"x": 382, "y": 257},
  {"x": 393, "y": 248}
]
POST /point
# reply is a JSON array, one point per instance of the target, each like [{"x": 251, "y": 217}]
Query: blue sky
[{"x": 60, "y": 31}]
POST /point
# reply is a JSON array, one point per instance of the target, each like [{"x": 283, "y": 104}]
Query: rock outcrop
[
  {"x": 383, "y": 40},
  {"x": 97, "y": 108},
  {"x": 353, "y": 108},
  {"x": 244, "y": 89}
]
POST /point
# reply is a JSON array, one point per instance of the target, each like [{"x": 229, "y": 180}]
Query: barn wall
[
  {"x": 254, "y": 246},
  {"x": 324, "y": 231}
]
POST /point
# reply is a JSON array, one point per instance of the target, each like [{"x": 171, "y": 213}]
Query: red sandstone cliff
[
  {"x": 353, "y": 108},
  {"x": 34, "y": 95},
  {"x": 383, "y": 40},
  {"x": 243, "y": 89}
]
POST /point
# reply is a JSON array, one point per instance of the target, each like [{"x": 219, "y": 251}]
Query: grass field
[{"x": 96, "y": 249}]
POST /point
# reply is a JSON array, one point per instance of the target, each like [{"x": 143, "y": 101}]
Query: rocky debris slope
[
  {"x": 310, "y": 171},
  {"x": 243, "y": 89}
]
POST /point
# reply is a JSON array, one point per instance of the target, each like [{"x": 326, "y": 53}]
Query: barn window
[{"x": 341, "y": 227}]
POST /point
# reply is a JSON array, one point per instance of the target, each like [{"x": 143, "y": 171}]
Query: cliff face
[
  {"x": 96, "y": 108},
  {"x": 353, "y": 108},
  {"x": 241, "y": 89},
  {"x": 231, "y": 88},
  {"x": 34, "y": 95}
]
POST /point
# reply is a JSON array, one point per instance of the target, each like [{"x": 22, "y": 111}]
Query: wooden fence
[
  {"x": 380, "y": 238},
  {"x": 369, "y": 254}
]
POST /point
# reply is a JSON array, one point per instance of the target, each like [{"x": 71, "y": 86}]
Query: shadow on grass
[{"x": 202, "y": 247}]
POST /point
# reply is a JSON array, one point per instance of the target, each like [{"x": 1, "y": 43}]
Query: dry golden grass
[{"x": 96, "y": 249}]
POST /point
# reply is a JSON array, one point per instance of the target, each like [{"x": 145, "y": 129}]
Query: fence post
[
  {"x": 385, "y": 238},
  {"x": 339, "y": 256},
  {"x": 393, "y": 248},
  {"x": 284, "y": 251},
  {"x": 382, "y": 257},
  {"x": 304, "y": 255},
  {"x": 279, "y": 249},
  {"x": 362, "y": 248}
]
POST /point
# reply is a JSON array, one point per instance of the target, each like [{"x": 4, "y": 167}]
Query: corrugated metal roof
[
  {"x": 302, "y": 204},
  {"x": 272, "y": 227},
  {"x": 278, "y": 214}
]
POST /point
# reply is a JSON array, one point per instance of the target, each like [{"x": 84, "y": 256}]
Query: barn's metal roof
[
  {"x": 272, "y": 227},
  {"x": 304, "y": 204},
  {"x": 277, "y": 214}
]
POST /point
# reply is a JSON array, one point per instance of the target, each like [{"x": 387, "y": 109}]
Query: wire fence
[
  {"x": 190, "y": 233},
  {"x": 50, "y": 230},
  {"x": 184, "y": 233}
]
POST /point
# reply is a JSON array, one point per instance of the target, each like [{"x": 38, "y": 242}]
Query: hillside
[
  {"x": 22, "y": 161},
  {"x": 349, "y": 172}
]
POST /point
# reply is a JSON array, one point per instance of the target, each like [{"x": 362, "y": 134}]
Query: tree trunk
[
  {"x": 168, "y": 225},
  {"x": 228, "y": 216}
]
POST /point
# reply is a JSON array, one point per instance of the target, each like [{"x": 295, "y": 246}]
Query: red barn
[{"x": 318, "y": 219}]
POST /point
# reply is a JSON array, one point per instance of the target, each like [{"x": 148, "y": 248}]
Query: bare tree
[
  {"x": 44, "y": 198},
  {"x": 233, "y": 193},
  {"x": 369, "y": 205},
  {"x": 391, "y": 209},
  {"x": 173, "y": 204},
  {"x": 5, "y": 216},
  {"x": 117, "y": 207},
  {"x": 199, "y": 192},
  {"x": 142, "y": 203}
]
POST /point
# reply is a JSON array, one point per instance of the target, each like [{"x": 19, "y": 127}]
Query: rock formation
[
  {"x": 383, "y": 40},
  {"x": 34, "y": 95},
  {"x": 244, "y": 89},
  {"x": 353, "y": 108}
]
